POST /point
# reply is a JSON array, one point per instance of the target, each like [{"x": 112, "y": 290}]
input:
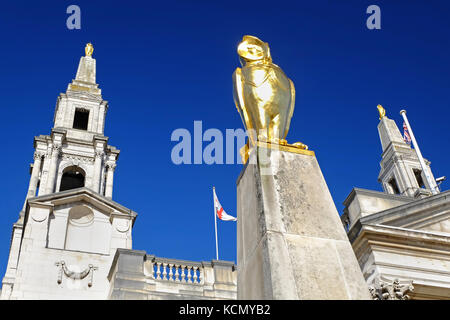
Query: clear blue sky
[{"x": 163, "y": 65}]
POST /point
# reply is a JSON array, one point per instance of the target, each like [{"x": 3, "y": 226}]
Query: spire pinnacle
[{"x": 85, "y": 78}]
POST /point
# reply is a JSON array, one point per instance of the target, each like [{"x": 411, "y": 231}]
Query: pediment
[
  {"x": 428, "y": 214},
  {"x": 84, "y": 196},
  {"x": 80, "y": 220},
  {"x": 442, "y": 226}
]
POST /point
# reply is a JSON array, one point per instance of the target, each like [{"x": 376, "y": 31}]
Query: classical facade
[
  {"x": 72, "y": 241},
  {"x": 401, "y": 236}
]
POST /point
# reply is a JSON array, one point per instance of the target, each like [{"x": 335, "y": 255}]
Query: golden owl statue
[
  {"x": 381, "y": 111},
  {"x": 263, "y": 94},
  {"x": 89, "y": 49}
]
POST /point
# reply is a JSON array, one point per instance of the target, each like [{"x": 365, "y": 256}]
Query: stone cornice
[
  {"x": 78, "y": 141},
  {"x": 373, "y": 193},
  {"x": 98, "y": 137},
  {"x": 85, "y": 95},
  {"x": 428, "y": 242},
  {"x": 58, "y": 131},
  {"x": 113, "y": 150},
  {"x": 75, "y": 194},
  {"x": 36, "y": 204},
  {"x": 222, "y": 263},
  {"x": 414, "y": 207},
  {"x": 396, "y": 147},
  {"x": 41, "y": 138}
]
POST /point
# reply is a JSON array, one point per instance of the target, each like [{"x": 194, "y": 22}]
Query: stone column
[
  {"x": 44, "y": 174},
  {"x": 11, "y": 268},
  {"x": 97, "y": 170},
  {"x": 53, "y": 168},
  {"x": 32, "y": 187},
  {"x": 291, "y": 242},
  {"x": 101, "y": 118},
  {"x": 109, "y": 179},
  {"x": 34, "y": 179}
]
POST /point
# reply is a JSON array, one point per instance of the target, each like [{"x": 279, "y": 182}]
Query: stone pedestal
[{"x": 291, "y": 242}]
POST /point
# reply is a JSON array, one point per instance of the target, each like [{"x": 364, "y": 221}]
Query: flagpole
[
  {"x": 430, "y": 181},
  {"x": 215, "y": 222}
]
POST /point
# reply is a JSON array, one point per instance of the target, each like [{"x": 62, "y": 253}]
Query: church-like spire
[
  {"x": 82, "y": 106},
  {"x": 388, "y": 131},
  {"x": 85, "y": 77},
  {"x": 77, "y": 146},
  {"x": 401, "y": 172}
]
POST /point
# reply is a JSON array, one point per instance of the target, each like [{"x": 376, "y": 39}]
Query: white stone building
[
  {"x": 402, "y": 233},
  {"x": 72, "y": 241}
]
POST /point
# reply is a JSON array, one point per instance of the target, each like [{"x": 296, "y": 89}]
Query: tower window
[
  {"x": 73, "y": 177},
  {"x": 394, "y": 186},
  {"x": 418, "y": 174},
  {"x": 81, "y": 119}
]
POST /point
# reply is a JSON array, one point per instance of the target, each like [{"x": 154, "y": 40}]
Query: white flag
[{"x": 219, "y": 210}]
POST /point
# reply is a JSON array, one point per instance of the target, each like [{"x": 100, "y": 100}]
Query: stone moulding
[{"x": 78, "y": 158}]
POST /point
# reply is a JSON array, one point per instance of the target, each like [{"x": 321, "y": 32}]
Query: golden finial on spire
[
  {"x": 89, "y": 49},
  {"x": 381, "y": 111}
]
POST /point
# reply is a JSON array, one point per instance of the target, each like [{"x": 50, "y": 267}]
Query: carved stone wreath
[{"x": 75, "y": 275}]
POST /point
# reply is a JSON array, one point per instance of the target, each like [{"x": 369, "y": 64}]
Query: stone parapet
[{"x": 137, "y": 275}]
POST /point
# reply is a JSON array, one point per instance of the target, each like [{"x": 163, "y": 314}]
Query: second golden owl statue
[
  {"x": 89, "y": 49},
  {"x": 263, "y": 94}
]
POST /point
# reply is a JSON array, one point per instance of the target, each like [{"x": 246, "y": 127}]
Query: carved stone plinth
[{"x": 291, "y": 242}]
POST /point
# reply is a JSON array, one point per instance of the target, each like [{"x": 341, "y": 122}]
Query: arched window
[
  {"x": 418, "y": 175},
  {"x": 73, "y": 177},
  {"x": 394, "y": 187}
]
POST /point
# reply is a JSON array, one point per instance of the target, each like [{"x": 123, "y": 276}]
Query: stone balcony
[{"x": 136, "y": 275}]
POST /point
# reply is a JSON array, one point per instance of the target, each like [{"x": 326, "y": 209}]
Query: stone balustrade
[
  {"x": 137, "y": 275},
  {"x": 177, "y": 270}
]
